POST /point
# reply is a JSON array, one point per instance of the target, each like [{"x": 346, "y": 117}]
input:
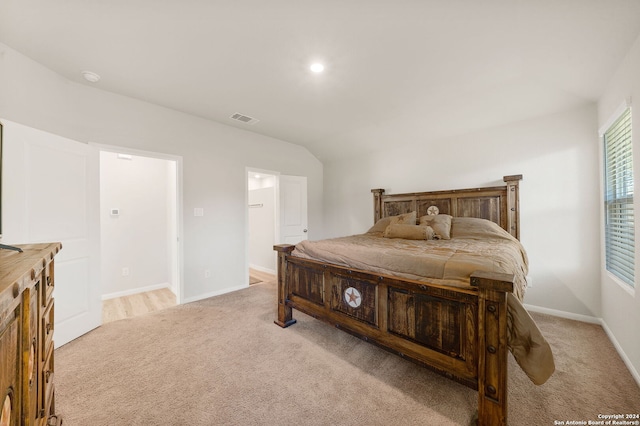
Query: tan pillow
[
  {"x": 409, "y": 232},
  {"x": 381, "y": 225},
  {"x": 475, "y": 228},
  {"x": 441, "y": 224},
  {"x": 404, "y": 219}
]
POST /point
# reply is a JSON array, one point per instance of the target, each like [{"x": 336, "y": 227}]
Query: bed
[{"x": 439, "y": 280}]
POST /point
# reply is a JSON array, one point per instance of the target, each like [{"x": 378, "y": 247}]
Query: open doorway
[
  {"x": 277, "y": 214},
  {"x": 139, "y": 233},
  {"x": 262, "y": 205}
]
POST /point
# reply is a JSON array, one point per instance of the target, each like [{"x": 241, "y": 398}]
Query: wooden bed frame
[{"x": 458, "y": 332}]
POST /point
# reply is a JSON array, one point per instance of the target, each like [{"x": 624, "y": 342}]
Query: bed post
[
  {"x": 285, "y": 316},
  {"x": 492, "y": 345},
  {"x": 377, "y": 204},
  {"x": 513, "y": 204}
]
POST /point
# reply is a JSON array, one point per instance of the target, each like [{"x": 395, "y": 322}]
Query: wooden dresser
[{"x": 26, "y": 335}]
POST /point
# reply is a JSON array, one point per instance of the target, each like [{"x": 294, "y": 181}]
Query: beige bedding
[{"x": 475, "y": 245}]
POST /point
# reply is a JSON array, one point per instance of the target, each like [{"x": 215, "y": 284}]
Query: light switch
[{"x": 198, "y": 211}]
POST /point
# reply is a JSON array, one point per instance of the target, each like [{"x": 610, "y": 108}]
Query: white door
[
  {"x": 52, "y": 194},
  {"x": 293, "y": 209}
]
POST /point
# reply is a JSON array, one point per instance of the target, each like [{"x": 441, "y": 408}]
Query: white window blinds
[{"x": 618, "y": 199}]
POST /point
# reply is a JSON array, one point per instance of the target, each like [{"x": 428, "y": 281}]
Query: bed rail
[{"x": 483, "y": 309}]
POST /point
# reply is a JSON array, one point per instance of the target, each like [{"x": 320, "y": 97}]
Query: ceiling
[{"x": 397, "y": 72}]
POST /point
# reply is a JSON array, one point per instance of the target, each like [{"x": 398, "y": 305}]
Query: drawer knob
[
  {"x": 491, "y": 390},
  {"x": 47, "y": 375},
  {"x": 48, "y": 328},
  {"x": 16, "y": 290},
  {"x": 491, "y": 308},
  {"x": 491, "y": 349}
]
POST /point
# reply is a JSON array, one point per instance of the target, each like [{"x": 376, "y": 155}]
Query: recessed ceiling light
[
  {"x": 91, "y": 77},
  {"x": 317, "y": 67}
]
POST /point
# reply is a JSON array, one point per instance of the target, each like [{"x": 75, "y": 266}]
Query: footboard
[{"x": 460, "y": 333}]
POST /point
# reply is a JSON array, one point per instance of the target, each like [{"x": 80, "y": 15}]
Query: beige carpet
[{"x": 222, "y": 361}]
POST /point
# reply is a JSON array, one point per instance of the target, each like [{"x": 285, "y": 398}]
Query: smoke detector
[{"x": 244, "y": 118}]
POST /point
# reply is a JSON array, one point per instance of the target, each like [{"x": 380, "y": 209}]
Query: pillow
[
  {"x": 409, "y": 232},
  {"x": 441, "y": 224},
  {"x": 475, "y": 228},
  {"x": 405, "y": 219}
]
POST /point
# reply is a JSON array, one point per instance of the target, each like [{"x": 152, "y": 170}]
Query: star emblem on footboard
[{"x": 352, "y": 297}]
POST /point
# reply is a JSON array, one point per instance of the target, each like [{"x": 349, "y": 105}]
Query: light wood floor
[
  {"x": 142, "y": 303},
  {"x": 256, "y": 276},
  {"x": 137, "y": 304}
]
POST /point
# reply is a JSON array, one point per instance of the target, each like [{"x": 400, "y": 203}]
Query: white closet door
[
  {"x": 53, "y": 195},
  {"x": 293, "y": 209}
]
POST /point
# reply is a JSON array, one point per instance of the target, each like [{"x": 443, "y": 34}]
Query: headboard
[{"x": 500, "y": 204}]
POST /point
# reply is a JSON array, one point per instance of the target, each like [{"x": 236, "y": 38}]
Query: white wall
[
  {"x": 215, "y": 158},
  {"x": 558, "y": 157},
  {"x": 138, "y": 237},
  {"x": 620, "y": 309},
  {"x": 265, "y": 181}
]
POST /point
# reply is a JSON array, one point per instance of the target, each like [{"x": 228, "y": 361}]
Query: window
[{"x": 618, "y": 199}]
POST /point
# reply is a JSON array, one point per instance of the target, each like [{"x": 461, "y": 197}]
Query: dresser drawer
[
  {"x": 31, "y": 345},
  {"x": 47, "y": 383},
  {"x": 46, "y": 336},
  {"x": 48, "y": 283},
  {"x": 48, "y": 407}
]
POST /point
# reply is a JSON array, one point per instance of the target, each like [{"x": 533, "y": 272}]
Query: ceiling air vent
[{"x": 244, "y": 118}]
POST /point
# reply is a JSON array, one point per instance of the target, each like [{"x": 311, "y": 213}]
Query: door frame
[
  {"x": 179, "y": 246},
  {"x": 278, "y": 210},
  {"x": 246, "y": 211}
]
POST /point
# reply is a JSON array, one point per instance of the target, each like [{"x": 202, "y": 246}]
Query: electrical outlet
[
  {"x": 125, "y": 272},
  {"x": 207, "y": 273}
]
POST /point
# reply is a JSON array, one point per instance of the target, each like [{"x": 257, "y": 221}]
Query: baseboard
[
  {"x": 591, "y": 320},
  {"x": 135, "y": 291},
  {"x": 623, "y": 355},
  {"x": 564, "y": 314},
  {"x": 214, "y": 293},
  {"x": 262, "y": 269}
]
